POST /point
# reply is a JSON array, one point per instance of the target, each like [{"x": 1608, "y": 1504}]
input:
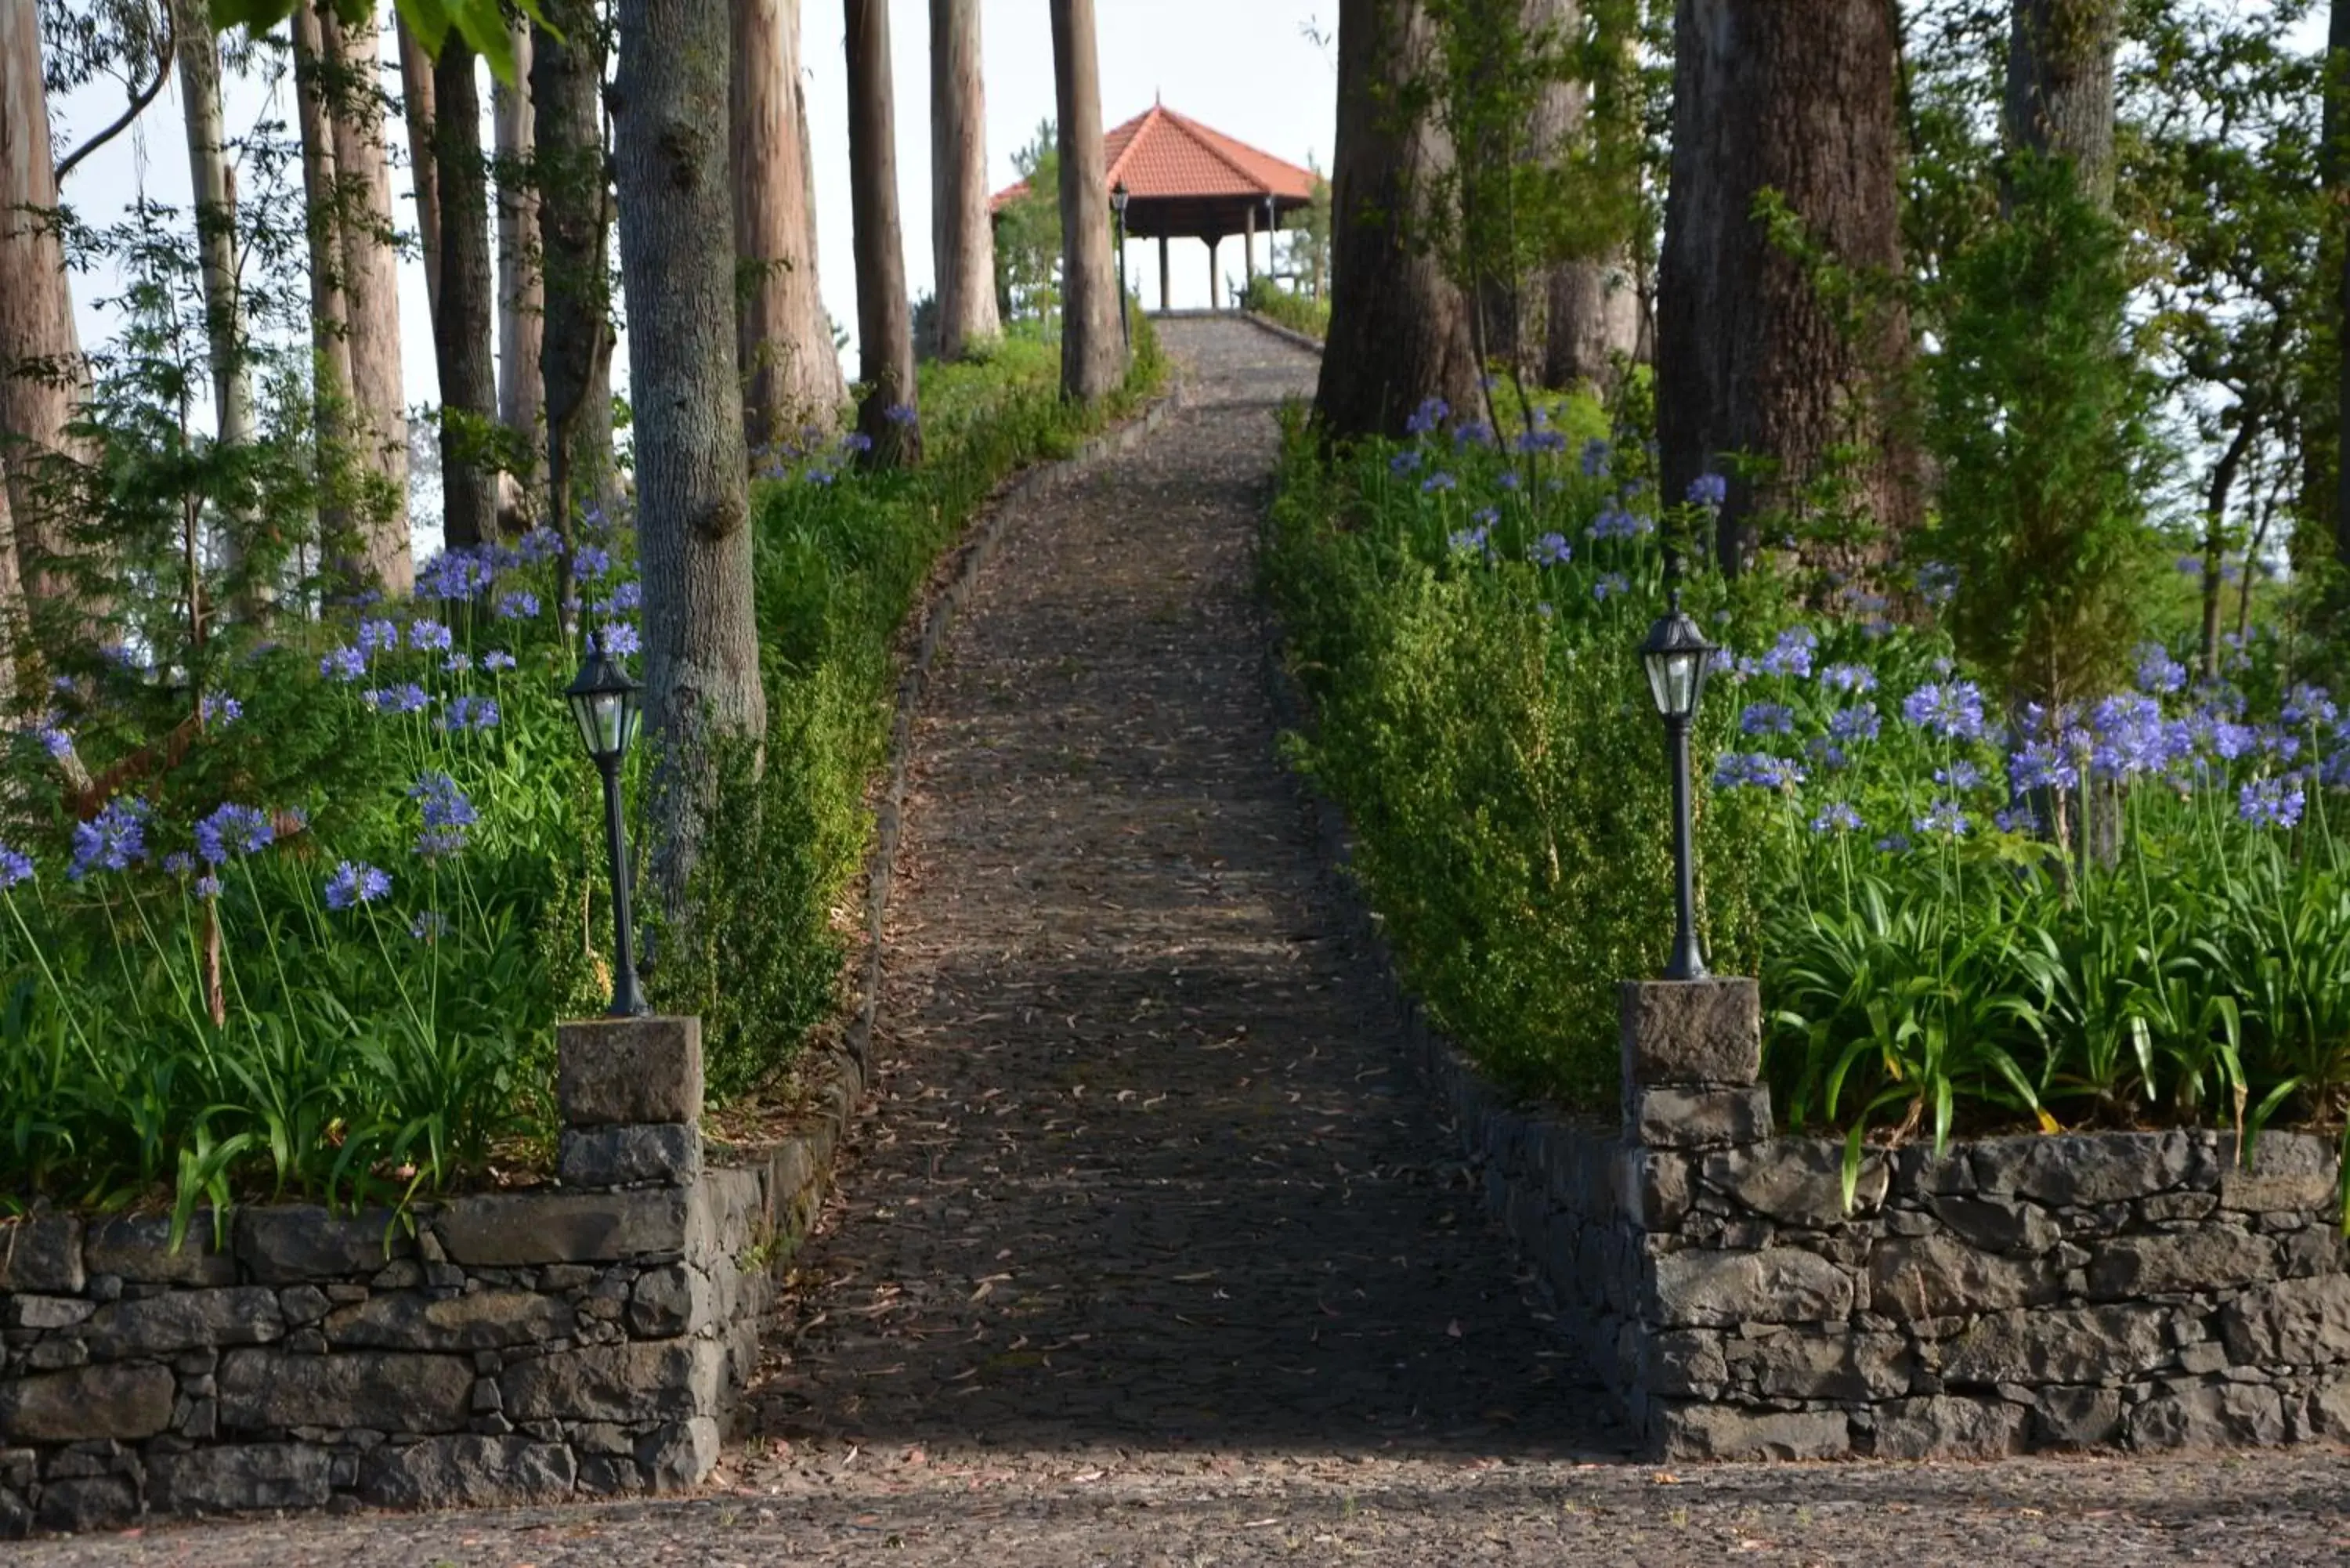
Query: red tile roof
[{"x": 1159, "y": 153}]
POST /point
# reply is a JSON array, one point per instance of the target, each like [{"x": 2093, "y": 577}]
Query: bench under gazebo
[{"x": 1174, "y": 178}]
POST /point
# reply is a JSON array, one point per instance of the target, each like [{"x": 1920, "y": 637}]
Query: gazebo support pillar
[
  {"x": 1215, "y": 282},
  {"x": 1248, "y": 244},
  {"x": 1166, "y": 301}
]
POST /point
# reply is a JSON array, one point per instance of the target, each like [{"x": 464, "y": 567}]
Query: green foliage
[
  {"x": 1482, "y": 719},
  {"x": 1028, "y": 235},
  {"x": 2039, "y": 419},
  {"x": 1306, "y": 313},
  {"x": 481, "y": 24}
]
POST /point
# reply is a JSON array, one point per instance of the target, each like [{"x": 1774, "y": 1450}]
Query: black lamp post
[
  {"x": 1118, "y": 197},
  {"x": 603, "y": 705},
  {"x": 1676, "y": 655}
]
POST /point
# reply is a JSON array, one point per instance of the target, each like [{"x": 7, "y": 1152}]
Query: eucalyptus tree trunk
[
  {"x": 694, "y": 536},
  {"x": 521, "y": 300},
  {"x": 1758, "y": 378},
  {"x": 330, "y": 343},
  {"x": 1398, "y": 328},
  {"x": 2060, "y": 85},
  {"x": 790, "y": 371},
  {"x": 1591, "y": 309},
  {"x": 370, "y": 277},
  {"x": 1093, "y": 339},
  {"x": 215, "y": 213},
  {"x": 40, "y": 353},
  {"x": 575, "y": 221},
  {"x": 423, "y": 167},
  {"x": 962, "y": 234},
  {"x": 462, "y": 323},
  {"x": 885, "y": 319},
  {"x": 2335, "y": 165}
]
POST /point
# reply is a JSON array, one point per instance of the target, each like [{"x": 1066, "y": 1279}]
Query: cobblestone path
[{"x": 1148, "y": 1249}]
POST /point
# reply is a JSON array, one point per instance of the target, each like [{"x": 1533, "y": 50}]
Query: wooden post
[
  {"x": 1215, "y": 287},
  {"x": 1165, "y": 303},
  {"x": 1248, "y": 244}
]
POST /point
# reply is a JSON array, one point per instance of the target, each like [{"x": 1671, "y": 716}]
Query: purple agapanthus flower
[
  {"x": 900, "y": 414},
  {"x": 429, "y": 925},
  {"x": 458, "y": 663},
  {"x": 541, "y": 544},
  {"x": 1858, "y": 722},
  {"x": 618, "y": 639},
  {"x": 1767, "y": 718},
  {"x": 1708, "y": 490},
  {"x": 233, "y": 829},
  {"x": 378, "y": 637},
  {"x": 1791, "y": 655},
  {"x": 1937, "y": 582},
  {"x": 1945, "y": 818},
  {"x": 1756, "y": 770},
  {"x": 2016, "y": 819},
  {"x": 345, "y": 664},
  {"x": 1836, "y": 817},
  {"x": 1438, "y": 481},
  {"x": 471, "y": 713},
  {"x": 627, "y": 598},
  {"x": 2307, "y": 705},
  {"x": 590, "y": 561},
  {"x": 2126, "y": 737},
  {"x": 1958, "y": 775},
  {"x": 519, "y": 604},
  {"x": 16, "y": 866},
  {"x": 355, "y": 883},
  {"x": 1609, "y": 585},
  {"x": 51, "y": 738},
  {"x": 1404, "y": 462},
  {"x": 1954, "y": 711},
  {"x": 218, "y": 708},
  {"x": 2036, "y": 766},
  {"x": 448, "y": 815},
  {"x": 410, "y": 697},
  {"x": 2270, "y": 803},
  {"x": 497, "y": 659},
  {"x": 2157, "y": 673},
  {"x": 1427, "y": 416},
  {"x": 1849, "y": 678},
  {"x": 113, "y": 840},
  {"x": 428, "y": 637},
  {"x": 1594, "y": 459},
  {"x": 1615, "y": 521},
  {"x": 1550, "y": 550}
]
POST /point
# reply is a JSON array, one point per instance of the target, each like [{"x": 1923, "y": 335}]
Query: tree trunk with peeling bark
[
  {"x": 423, "y": 166},
  {"x": 1398, "y": 328},
  {"x": 790, "y": 371},
  {"x": 370, "y": 262},
  {"x": 522, "y": 302},
  {"x": 462, "y": 324},
  {"x": 1093, "y": 339},
  {"x": 962, "y": 234},
  {"x": 1757, "y": 380},
  {"x": 885, "y": 318},
  {"x": 215, "y": 204},
  {"x": 693, "y": 534},
  {"x": 575, "y": 212},
  {"x": 1590, "y": 307}
]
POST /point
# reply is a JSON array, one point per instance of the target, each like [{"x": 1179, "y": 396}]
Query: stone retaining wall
[
  {"x": 592, "y": 1337},
  {"x": 2142, "y": 1290}
]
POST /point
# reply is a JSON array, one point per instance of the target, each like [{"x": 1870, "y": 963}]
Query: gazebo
[{"x": 1180, "y": 179}]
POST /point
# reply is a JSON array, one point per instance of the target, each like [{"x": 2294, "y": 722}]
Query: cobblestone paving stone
[{"x": 1148, "y": 1249}]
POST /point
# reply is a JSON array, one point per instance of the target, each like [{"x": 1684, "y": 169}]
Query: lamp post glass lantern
[
  {"x": 603, "y": 702},
  {"x": 1118, "y": 197},
  {"x": 1676, "y": 656}
]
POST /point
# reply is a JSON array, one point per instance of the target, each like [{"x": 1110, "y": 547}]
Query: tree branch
[{"x": 139, "y": 103}]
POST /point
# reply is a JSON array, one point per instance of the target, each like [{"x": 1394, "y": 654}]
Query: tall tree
[
  {"x": 962, "y": 234},
  {"x": 885, "y": 318},
  {"x": 462, "y": 323},
  {"x": 330, "y": 342},
  {"x": 789, "y": 367},
  {"x": 1591, "y": 305},
  {"x": 1398, "y": 328},
  {"x": 2060, "y": 85},
  {"x": 423, "y": 166},
  {"x": 1761, "y": 379},
  {"x": 370, "y": 277},
  {"x": 521, "y": 298},
  {"x": 2335, "y": 170},
  {"x": 574, "y": 215},
  {"x": 216, "y": 214},
  {"x": 40, "y": 352},
  {"x": 1093, "y": 340},
  {"x": 693, "y": 533}
]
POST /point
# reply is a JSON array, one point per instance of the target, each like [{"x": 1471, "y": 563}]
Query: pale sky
[{"x": 1251, "y": 68}]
